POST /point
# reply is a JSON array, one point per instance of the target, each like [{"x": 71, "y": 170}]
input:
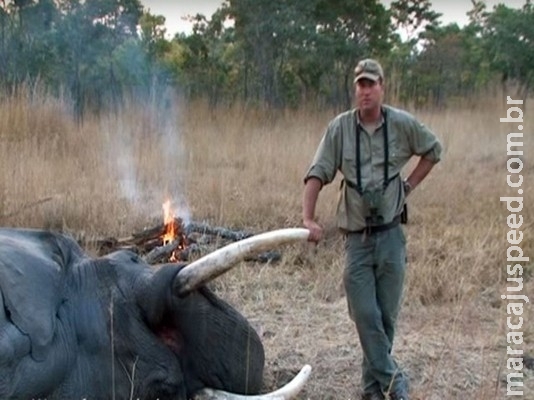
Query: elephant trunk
[{"x": 212, "y": 265}]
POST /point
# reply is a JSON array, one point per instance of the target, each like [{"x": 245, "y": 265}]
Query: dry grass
[{"x": 243, "y": 169}]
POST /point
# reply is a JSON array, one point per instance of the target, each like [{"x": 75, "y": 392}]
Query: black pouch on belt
[{"x": 404, "y": 214}]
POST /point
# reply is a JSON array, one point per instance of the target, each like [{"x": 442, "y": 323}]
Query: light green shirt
[{"x": 337, "y": 152}]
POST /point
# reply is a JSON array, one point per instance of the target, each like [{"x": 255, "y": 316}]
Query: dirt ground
[{"x": 449, "y": 351}]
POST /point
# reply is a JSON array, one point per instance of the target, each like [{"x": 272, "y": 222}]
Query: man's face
[{"x": 369, "y": 94}]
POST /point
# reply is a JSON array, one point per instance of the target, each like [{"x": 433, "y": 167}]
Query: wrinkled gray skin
[{"x": 73, "y": 327}]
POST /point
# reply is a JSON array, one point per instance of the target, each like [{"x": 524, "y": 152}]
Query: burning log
[
  {"x": 188, "y": 241},
  {"x": 164, "y": 253},
  {"x": 142, "y": 242}
]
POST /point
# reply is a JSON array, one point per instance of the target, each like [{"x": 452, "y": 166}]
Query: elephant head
[{"x": 72, "y": 326}]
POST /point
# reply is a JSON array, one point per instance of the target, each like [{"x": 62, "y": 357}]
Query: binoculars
[{"x": 374, "y": 201}]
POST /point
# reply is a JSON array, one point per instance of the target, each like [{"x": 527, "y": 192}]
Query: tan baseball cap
[{"x": 368, "y": 69}]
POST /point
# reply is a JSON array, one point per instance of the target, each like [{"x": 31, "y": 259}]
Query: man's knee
[{"x": 367, "y": 317}]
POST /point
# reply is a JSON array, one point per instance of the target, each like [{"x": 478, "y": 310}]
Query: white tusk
[
  {"x": 216, "y": 263},
  {"x": 286, "y": 392}
]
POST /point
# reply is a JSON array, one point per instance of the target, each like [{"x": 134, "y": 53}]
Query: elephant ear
[{"x": 32, "y": 267}]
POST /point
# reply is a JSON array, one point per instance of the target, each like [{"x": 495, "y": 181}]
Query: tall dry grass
[{"x": 243, "y": 168}]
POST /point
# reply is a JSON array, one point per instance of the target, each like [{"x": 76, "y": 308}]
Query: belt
[{"x": 369, "y": 230}]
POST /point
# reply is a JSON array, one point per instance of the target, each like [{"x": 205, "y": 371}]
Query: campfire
[
  {"x": 176, "y": 241},
  {"x": 173, "y": 235}
]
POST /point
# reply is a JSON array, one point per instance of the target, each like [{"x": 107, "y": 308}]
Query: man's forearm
[
  {"x": 419, "y": 173},
  {"x": 309, "y": 201}
]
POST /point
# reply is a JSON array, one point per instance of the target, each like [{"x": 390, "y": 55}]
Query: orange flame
[{"x": 168, "y": 220}]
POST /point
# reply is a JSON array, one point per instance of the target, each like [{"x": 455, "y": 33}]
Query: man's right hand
[{"x": 316, "y": 232}]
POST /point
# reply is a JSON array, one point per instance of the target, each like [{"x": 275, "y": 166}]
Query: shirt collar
[{"x": 380, "y": 123}]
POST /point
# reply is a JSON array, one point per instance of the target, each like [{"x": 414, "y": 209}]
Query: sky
[{"x": 175, "y": 10}]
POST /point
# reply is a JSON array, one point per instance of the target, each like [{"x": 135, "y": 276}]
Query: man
[{"x": 370, "y": 145}]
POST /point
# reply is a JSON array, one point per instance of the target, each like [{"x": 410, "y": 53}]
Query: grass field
[{"x": 243, "y": 169}]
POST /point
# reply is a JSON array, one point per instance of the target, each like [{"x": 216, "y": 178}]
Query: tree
[
  {"x": 353, "y": 30},
  {"x": 314, "y": 41},
  {"x": 509, "y": 41},
  {"x": 412, "y": 18},
  {"x": 439, "y": 71},
  {"x": 86, "y": 37},
  {"x": 413, "y": 22}
]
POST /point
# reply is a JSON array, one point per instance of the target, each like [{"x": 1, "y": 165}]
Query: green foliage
[
  {"x": 72, "y": 46},
  {"x": 414, "y": 18},
  {"x": 278, "y": 52},
  {"x": 284, "y": 52},
  {"x": 509, "y": 42}
]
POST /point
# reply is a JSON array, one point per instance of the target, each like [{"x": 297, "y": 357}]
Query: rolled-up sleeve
[
  {"x": 327, "y": 158},
  {"x": 424, "y": 142}
]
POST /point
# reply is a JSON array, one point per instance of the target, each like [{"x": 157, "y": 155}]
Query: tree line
[{"x": 282, "y": 53}]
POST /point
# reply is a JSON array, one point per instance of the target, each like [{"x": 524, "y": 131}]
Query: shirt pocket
[
  {"x": 348, "y": 164},
  {"x": 399, "y": 153}
]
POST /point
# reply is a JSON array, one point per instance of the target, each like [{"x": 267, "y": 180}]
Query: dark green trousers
[{"x": 374, "y": 280}]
